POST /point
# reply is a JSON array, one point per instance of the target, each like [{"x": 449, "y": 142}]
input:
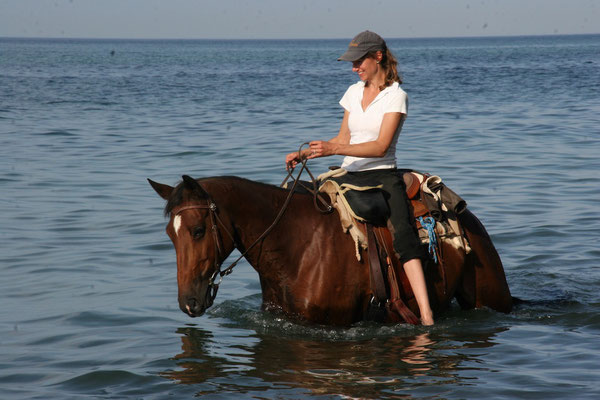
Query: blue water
[{"x": 87, "y": 275}]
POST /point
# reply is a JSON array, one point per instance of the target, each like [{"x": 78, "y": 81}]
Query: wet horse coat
[{"x": 307, "y": 266}]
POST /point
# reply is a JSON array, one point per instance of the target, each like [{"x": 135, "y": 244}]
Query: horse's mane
[{"x": 180, "y": 195}]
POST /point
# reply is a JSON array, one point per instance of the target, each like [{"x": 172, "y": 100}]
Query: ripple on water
[
  {"x": 88, "y": 285},
  {"x": 107, "y": 382}
]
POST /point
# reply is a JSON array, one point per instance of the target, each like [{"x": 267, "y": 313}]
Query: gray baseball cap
[{"x": 363, "y": 43}]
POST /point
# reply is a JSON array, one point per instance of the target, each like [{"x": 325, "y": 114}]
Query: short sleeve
[
  {"x": 398, "y": 102},
  {"x": 346, "y": 99}
]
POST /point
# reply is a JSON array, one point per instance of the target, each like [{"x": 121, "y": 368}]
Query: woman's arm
[
  {"x": 340, "y": 145},
  {"x": 343, "y": 137}
]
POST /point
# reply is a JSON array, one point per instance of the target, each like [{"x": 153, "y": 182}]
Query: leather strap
[
  {"x": 377, "y": 279},
  {"x": 397, "y": 309},
  {"x": 396, "y": 305}
]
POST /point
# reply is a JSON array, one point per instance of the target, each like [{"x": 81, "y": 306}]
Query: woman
[{"x": 375, "y": 109}]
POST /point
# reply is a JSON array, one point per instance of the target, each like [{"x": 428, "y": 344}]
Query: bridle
[{"x": 215, "y": 221}]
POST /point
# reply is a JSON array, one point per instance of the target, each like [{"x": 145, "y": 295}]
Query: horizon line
[{"x": 299, "y": 38}]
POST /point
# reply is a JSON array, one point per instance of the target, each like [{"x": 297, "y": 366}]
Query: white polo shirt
[{"x": 365, "y": 124}]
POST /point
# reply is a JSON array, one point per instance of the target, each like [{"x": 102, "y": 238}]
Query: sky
[{"x": 294, "y": 19}]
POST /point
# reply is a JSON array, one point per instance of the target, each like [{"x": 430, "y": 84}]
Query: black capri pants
[{"x": 407, "y": 244}]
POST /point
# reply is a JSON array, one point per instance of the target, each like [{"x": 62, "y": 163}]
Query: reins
[
  {"x": 314, "y": 191},
  {"x": 214, "y": 216}
]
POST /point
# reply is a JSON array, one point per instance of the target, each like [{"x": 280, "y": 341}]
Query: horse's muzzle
[
  {"x": 195, "y": 308},
  {"x": 192, "y": 307}
]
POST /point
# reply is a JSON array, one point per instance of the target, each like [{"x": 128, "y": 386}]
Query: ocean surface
[{"x": 88, "y": 305}]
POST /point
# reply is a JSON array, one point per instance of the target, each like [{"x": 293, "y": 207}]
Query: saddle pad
[{"x": 365, "y": 201}]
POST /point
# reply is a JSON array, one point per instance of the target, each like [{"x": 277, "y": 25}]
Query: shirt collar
[
  {"x": 394, "y": 85},
  {"x": 381, "y": 94}
]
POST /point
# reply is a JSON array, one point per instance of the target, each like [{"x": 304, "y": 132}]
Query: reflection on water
[
  {"x": 417, "y": 351},
  {"x": 374, "y": 367}
]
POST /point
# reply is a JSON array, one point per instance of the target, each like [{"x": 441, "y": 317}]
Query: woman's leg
[
  {"x": 407, "y": 244},
  {"x": 414, "y": 272}
]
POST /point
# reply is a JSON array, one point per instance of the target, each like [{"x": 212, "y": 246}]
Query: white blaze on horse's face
[{"x": 177, "y": 224}]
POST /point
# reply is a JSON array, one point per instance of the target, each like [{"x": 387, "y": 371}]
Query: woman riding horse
[
  {"x": 306, "y": 263},
  {"x": 374, "y": 111}
]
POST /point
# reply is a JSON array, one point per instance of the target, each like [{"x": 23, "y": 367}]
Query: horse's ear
[
  {"x": 193, "y": 185},
  {"x": 163, "y": 191}
]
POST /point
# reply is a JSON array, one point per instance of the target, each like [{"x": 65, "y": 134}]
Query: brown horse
[{"x": 307, "y": 265}]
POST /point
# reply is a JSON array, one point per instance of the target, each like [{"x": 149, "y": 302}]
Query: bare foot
[{"x": 427, "y": 319}]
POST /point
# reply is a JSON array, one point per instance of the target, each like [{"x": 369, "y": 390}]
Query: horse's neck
[{"x": 250, "y": 206}]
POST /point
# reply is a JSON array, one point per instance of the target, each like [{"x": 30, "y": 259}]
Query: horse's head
[{"x": 198, "y": 244}]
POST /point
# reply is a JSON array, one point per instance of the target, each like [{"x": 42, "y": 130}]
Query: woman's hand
[
  {"x": 320, "y": 148},
  {"x": 291, "y": 160},
  {"x": 317, "y": 148}
]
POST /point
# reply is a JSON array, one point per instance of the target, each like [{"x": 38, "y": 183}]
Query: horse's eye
[{"x": 198, "y": 232}]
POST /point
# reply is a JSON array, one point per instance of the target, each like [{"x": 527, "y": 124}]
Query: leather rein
[{"x": 215, "y": 221}]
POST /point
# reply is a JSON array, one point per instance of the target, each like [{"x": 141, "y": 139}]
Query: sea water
[{"x": 88, "y": 289}]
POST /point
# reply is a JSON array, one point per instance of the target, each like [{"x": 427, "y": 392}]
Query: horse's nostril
[{"x": 191, "y": 306}]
